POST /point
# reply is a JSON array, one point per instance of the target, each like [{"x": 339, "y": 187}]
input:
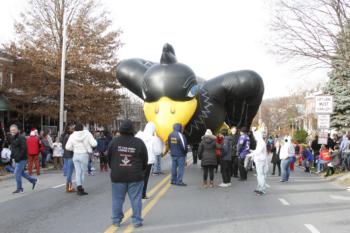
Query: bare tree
[
  {"x": 92, "y": 49},
  {"x": 318, "y": 30}
]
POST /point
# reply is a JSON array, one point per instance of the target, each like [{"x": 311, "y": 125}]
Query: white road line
[
  {"x": 58, "y": 186},
  {"x": 311, "y": 228},
  {"x": 284, "y": 202},
  {"x": 61, "y": 185},
  {"x": 339, "y": 197}
]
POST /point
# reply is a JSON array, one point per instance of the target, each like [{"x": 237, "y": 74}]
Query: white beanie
[{"x": 208, "y": 132}]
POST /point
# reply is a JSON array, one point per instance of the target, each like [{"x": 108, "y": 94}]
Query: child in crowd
[{"x": 57, "y": 154}]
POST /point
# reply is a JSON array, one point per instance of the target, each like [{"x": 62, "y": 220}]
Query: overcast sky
[{"x": 212, "y": 37}]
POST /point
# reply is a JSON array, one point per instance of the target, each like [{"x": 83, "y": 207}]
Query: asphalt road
[{"x": 307, "y": 203}]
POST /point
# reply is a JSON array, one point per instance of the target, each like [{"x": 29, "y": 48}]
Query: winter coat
[
  {"x": 18, "y": 148},
  {"x": 67, "y": 154},
  {"x": 127, "y": 158},
  {"x": 234, "y": 144},
  {"x": 102, "y": 144},
  {"x": 153, "y": 143},
  {"x": 178, "y": 146},
  {"x": 243, "y": 146},
  {"x": 307, "y": 155},
  {"x": 325, "y": 155},
  {"x": 33, "y": 145},
  {"x": 57, "y": 149},
  {"x": 46, "y": 144},
  {"x": 226, "y": 152},
  {"x": 206, "y": 150},
  {"x": 81, "y": 142},
  {"x": 276, "y": 155}
]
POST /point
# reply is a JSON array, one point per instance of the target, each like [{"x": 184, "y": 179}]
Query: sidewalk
[{"x": 10, "y": 175}]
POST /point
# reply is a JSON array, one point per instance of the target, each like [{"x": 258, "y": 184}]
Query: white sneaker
[
  {"x": 228, "y": 184},
  {"x": 223, "y": 185}
]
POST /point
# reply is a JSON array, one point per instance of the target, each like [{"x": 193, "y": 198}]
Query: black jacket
[
  {"x": 226, "y": 154},
  {"x": 275, "y": 154},
  {"x": 67, "y": 154},
  {"x": 18, "y": 148},
  {"x": 127, "y": 158}
]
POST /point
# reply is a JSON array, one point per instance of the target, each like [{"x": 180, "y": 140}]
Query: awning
[{"x": 4, "y": 103}]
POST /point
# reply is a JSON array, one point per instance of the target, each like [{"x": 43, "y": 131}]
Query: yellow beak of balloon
[{"x": 165, "y": 112}]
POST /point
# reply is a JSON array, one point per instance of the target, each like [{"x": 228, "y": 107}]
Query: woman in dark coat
[
  {"x": 206, "y": 152},
  {"x": 276, "y": 158}
]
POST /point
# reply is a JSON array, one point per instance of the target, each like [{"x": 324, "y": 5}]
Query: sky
[{"x": 211, "y": 37}]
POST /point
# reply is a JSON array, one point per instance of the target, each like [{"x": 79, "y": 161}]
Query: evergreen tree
[
  {"x": 338, "y": 86},
  {"x": 339, "y": 82}
]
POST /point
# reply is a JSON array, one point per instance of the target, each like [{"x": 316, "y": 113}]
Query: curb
[{"x": 9, "y": 176}]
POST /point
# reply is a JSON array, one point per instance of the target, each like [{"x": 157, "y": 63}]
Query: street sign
[
  {"x": 324, "y": 104},
  {"x": 323, "y": 138},
  {"x": 323, "y": 121}
]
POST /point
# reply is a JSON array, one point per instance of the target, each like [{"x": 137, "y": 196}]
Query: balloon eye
[{"x": 193, "y": 92}]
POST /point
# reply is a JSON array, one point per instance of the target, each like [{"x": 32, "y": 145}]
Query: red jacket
[
  {"x": 33, "y": 145},
  {"x": 325, "y": 155},
  {"x": 219, "y": 142}
]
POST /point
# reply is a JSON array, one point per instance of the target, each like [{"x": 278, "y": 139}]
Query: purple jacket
[{"x": 243, "y": 146}]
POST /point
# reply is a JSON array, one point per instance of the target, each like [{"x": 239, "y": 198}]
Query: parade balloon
[{"x": 174, "y": 94}]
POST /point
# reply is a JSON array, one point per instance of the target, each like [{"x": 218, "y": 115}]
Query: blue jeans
[
  {"x": 19, "y": 172},
  {"x": 157, "y": 166},
  {"x": 134, "y": 190},
  {"x": 69, "y": 169},
  {"x": 9, "y": 168},
  {"x": 285, "y": 167},
  {"x": 89, "y": 165},
  {"x": 65, "y": 167},
  {"x": 81, "y": 165},
  {"x": 177, "y": 169},
  {"x": 319, "y": 163}
]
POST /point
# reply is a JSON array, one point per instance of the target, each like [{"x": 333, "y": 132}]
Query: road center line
[
  {"x": 128, "y": 213},
  {"x": 311, "y": 228},
  {"x": 58, "y": 186},
  {"x": 283, "y": 201},
  {"x": 150, "y": 205}
]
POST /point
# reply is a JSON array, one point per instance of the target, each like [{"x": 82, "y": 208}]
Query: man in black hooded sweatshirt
[{"x": 127, "y": 158}]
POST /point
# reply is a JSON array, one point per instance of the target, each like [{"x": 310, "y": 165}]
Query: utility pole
[{"x": 63, "y": 67}]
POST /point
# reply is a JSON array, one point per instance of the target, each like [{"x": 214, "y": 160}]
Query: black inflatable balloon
[{"x": 173, "y": 94}]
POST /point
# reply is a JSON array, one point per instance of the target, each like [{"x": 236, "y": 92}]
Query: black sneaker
[
  {"x": 182, "y": 184},
  {"x": 145, "y": 197},
  {"x": 173, "y": 183},
  {"x": 138, "y": 225},
  {"x": 18, "y": 191},
  {"x": 35, "y": 183}
]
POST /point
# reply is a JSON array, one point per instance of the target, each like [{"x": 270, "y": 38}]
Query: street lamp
[{"x": 63, "y": 67}]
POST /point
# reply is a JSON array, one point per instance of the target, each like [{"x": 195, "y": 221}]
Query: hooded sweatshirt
[
  {"x": 81, "y": 142},
  {"x": 153, "y": 143},
  {"x": 177, "y": 142},
  {"x": 260, "y": 153},
  {"x": 287, "y": 150}
]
